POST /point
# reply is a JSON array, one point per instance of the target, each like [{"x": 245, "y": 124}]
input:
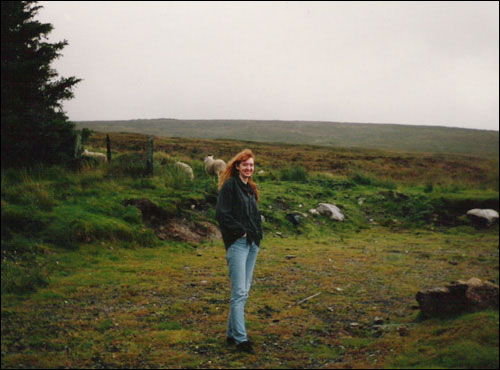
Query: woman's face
[{"x": 246, "y": 168}]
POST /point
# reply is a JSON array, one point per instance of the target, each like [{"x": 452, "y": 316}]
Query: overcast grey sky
[{"x": 423, "y": 63}]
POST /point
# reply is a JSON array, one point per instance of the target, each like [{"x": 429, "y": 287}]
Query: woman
[{"x": 241, "y": 227}]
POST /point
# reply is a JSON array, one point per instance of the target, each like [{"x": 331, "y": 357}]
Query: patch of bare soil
[
  {"x": 189, "y": 231},
  {"x": 171, "y": 225}
]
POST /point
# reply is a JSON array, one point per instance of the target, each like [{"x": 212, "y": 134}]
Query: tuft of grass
[
  {"x": 29, "y": 193},
  {"x": 175, "y": 177},
  {"x": 20, "y": 277},
  {"x": 127, "y": 164},
  {"x": 104, "y": 325},
  {"x": 371, "y": 180},
  {"x": 293, "y": 173},
  {"x": 169, "y": 325},
  {"x": 429, "y": 188}
]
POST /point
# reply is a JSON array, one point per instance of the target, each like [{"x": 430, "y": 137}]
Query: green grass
[
  {"x": 469, "y": 341},
  {"x": 148, "y": 307},
  {"x": 86, "y": 282},
  {"x": 293, "y": 173}
]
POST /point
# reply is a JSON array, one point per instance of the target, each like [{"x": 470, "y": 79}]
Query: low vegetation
[
  {"x": 405, "y": 138},
  {"x": 88, "y": 281}
]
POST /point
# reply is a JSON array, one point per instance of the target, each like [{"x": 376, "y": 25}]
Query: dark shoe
[
  {"x": 230, "y": 340},
  {"x": 245, "y": 347}
]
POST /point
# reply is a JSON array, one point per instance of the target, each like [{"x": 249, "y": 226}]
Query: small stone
[{"x": 378, "y": 320}]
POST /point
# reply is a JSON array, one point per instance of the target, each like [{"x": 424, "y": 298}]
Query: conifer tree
[{"x": 34, "y": 127}]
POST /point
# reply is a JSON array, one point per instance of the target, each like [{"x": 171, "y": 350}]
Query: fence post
[
  {"x": 108, "y": 147},
  {"x": 78, "y": 145},
  {"x": 149, "y": 156}
]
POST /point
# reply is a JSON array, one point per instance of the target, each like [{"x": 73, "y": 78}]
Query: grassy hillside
[
  {"x": 405, "y": 168},
  {"x": 92, "y": 280},
  {"x": 425, "y": 139}
]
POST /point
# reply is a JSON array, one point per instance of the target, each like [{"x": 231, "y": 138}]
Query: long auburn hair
[{"x": 232, "y": 171}]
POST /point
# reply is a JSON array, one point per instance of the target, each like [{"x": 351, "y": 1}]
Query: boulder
[
  {"x": 313, "y": 212},
  {"x": 330, "y": 210},
  {"x": 457, "y": 297},
  {"x": 294, "y": 218}
]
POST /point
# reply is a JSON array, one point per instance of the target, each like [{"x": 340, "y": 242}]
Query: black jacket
[{"x": 237, "y": 212}]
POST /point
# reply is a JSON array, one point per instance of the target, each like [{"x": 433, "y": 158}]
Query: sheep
[
  {"x": 188, "y": 169},
  {"x": 487, "y": 214},
  {"x": 98, "y": 156},
  {"x": 214, "y": 167}
]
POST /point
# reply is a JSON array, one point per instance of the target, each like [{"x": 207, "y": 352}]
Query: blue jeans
[{"x": 241, "y": 262}]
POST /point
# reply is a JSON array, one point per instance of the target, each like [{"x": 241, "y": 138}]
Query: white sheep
[
  {"x": 98, "y": 156},
  {"x": 186, "y": 167},
  {"x": 214, "y": 167},
  {"x": 488, "y": 214}
]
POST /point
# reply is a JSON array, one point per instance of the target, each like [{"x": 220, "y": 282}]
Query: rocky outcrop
[
  {"x": 330, "y": 210},
  {"x": 294, "y": 218},
  {"x": 462, "y": 296}
]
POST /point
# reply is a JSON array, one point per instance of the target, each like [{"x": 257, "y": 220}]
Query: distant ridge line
[
  {"x": 292, "y": 121},
  {"x": 387, "y": 136}
]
